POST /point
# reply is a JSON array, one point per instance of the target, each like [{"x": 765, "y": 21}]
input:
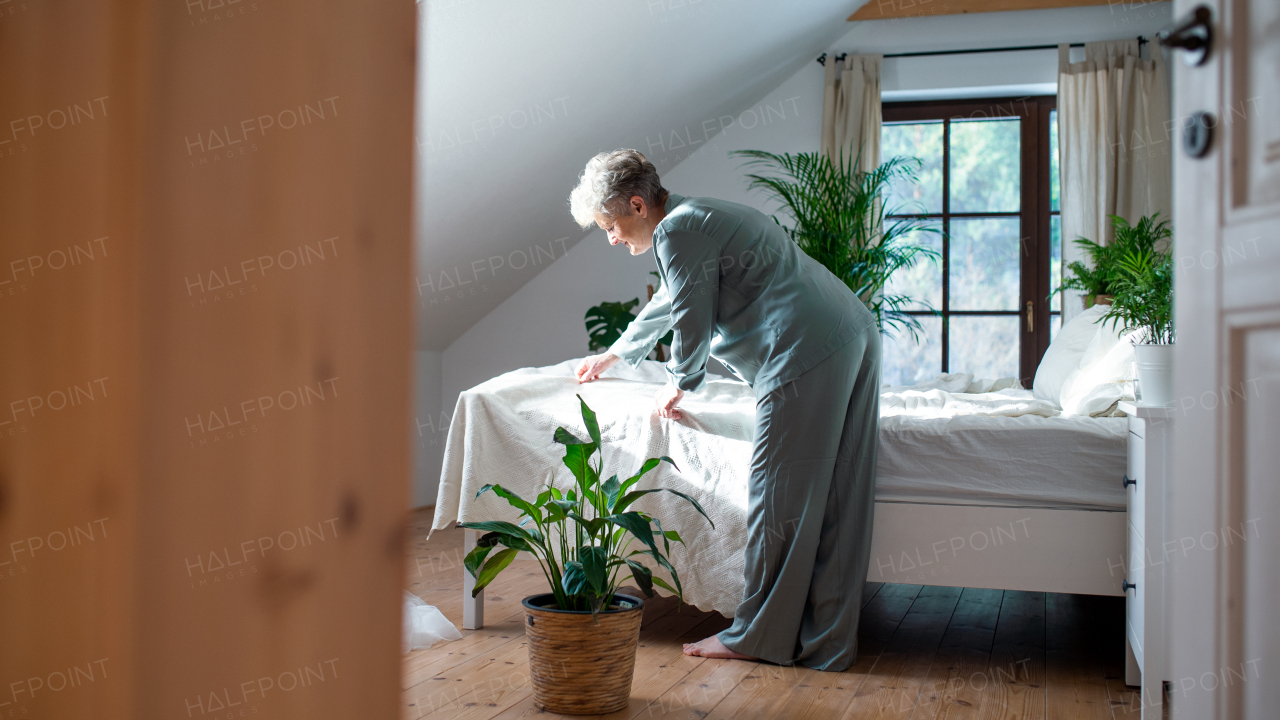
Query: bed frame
[{"x": 1034, "y": 549}]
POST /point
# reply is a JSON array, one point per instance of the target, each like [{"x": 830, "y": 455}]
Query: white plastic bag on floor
[{"x": 424, "y": 625}]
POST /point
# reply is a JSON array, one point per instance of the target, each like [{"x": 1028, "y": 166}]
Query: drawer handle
[
  {"x": 1126, "y": 586},
  {"x": 1130, "y": 481}
]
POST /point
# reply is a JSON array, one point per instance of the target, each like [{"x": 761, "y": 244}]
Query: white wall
[
  {"x": 542, "y": 323},
  {"x": 991, "y": 74}
]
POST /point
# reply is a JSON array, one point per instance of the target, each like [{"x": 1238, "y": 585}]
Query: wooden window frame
[{"x": 1035, "y": 213}]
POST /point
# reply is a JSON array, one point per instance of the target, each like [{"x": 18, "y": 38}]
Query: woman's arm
[
  {"x": 644, "y": 332},
  {"x": 692, "y": 260}
]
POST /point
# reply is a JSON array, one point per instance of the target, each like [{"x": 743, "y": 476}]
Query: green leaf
[
  {"x": 625, "y": 501},
  {"x": 556, "y": 513},
  {"x": 574, "y": 580},
  {"x": 663, "y": 584},
  {"x": 637, "y": 525},
  {"x": 475, "y": 559},
  {"x": 564, "y": 437},
  {"x": 506, "y": 528},
  {"x": 513, "y": 542},
  {"x": 607, "y": 321},
  {"x": 643, "y": 577},
  {"x": 593, "y": 525},
  {"x": 514, "y": 500},
  {"x": 649, "y": 464},
  {"x": 610, "y": 489},
  {"x": 664, "y": 562},
  {"x": 589, "y": 419},
  {"x": 692, "y": 502},
  {"x": 496, "y": 564},
  {"x": 575, "y": 458},
  {"x": 595, "y": 565},
  {"x": 666, "y": 541}
]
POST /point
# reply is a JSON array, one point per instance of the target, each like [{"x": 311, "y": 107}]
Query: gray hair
[{"x": 609, "y": 181}]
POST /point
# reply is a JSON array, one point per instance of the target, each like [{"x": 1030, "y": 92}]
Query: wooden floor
[{"x": 923, "y": 652}]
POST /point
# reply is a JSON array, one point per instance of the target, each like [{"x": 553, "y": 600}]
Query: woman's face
[{"x": 633, "y": 227}]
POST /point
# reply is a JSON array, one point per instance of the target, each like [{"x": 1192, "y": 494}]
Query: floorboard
[
  {"x": 924, "y": 653},
  {"x": 1074, "y": 687}
]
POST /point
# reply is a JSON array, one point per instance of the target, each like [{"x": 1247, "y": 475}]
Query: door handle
[
  {"x": 1129, "y": 481},
  {"x": 1193, "y": 34},
  {"x": 1031, "y": 317},
  {"x": 1126, "y": 586}
]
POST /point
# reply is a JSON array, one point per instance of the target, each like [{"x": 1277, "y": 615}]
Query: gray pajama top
[{"x": 736, "y": 287}]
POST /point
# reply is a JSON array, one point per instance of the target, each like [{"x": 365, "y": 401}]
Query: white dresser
[{"x": 1149, "y": 435}]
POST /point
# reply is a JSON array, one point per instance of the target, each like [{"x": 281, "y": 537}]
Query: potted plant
[
  {"x": 583, "y": 634},
  {"x": 1096, "y": 279},
  {"x": 1142, "y": 287},
  {"x": 607, "y": 321},
  {"x": 843, "y": 221}
]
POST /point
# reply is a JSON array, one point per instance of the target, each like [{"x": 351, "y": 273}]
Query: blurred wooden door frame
[{"x": 152, "y": 154}]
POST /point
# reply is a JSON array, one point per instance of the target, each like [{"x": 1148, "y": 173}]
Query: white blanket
[{"x": 502, "y": 433}]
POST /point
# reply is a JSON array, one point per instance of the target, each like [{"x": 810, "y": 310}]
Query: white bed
[{"x": 986, "y": 489}]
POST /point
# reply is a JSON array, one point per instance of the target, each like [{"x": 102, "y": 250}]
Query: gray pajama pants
[{"x": 811, "y": 503}]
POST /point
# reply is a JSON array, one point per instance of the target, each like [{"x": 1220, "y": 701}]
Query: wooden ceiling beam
[{"x": 898, "y": 9}]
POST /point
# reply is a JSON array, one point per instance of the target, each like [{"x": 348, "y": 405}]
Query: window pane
[
  {"x": 1054, "y": 197},
  {"x": 985, "y": 264},
  {"x": 1055, "y": 324},
  {"x": 905, "y": 361},
  {"x": 1055, "y": 261},
  {"x": 917, "y": 140},
  {"x": 984, "y": 345},
  {"x": 921, "y": 282},
  {"x": 986, "y": 165}
]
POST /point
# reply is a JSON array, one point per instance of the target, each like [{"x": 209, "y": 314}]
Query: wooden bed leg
[
  {"x": 472, "y": 607},
  {"x": 1132, "y": 671}
]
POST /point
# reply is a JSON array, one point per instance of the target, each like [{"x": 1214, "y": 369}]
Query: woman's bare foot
[{"x": 713, "y": 648}]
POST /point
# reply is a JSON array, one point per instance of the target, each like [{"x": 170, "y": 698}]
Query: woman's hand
[
  {"x": 667, "y": 399},
  {"x": 593, "y": 366}
]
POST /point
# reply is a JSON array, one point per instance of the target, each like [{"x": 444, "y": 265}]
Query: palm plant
[
  {"x": 583, "y": 564},
  {"x": 1102, "y": 273},
  {"x": 843, "y": 220},
  {"x": 1143, "y": 294}
]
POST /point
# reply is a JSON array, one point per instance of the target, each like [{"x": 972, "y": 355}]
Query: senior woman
[{"x": 735, "y": 287}]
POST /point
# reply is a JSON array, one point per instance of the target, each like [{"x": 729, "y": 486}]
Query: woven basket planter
[{"x": 577, "y": 666}]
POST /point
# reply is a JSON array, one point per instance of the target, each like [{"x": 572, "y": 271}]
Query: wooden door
[
  {"x": 205, "y": 336},
  {"x": 1222, "y": 544}
]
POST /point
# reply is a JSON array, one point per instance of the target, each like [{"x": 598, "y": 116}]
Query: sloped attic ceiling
[{"x": 515, "y": 96}]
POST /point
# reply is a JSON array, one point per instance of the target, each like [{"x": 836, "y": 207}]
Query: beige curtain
[
  {"x": 851, "y": 109},
  {"x": 1113, "y": 143}
]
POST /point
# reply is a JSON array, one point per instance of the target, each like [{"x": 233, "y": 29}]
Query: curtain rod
[{"x": 822, "y": 59}]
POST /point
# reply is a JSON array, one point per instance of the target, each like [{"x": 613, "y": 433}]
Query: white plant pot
[{"x": 1155, "y": 373}]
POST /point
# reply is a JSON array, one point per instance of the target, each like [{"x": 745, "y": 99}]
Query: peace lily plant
[
  {"x": 582, "y": 636},
  {"x": 582, "y": 536}
]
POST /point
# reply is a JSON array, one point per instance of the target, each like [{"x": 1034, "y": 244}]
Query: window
[{"x": 988, "y": 181}]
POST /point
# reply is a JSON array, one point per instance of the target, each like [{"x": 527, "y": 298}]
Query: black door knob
[
  {"x": 1193, "y": 34},
  {"x": 1197, "y": 133},
  {"x": 1126, "y": 586}
]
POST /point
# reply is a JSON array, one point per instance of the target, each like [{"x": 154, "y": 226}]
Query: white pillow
[
  {"x": 1064, "y": 353},
  {"x": 1104, "y": 375}
]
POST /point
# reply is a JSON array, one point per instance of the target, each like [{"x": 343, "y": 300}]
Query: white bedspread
[{"x": 937, "y": 445}]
